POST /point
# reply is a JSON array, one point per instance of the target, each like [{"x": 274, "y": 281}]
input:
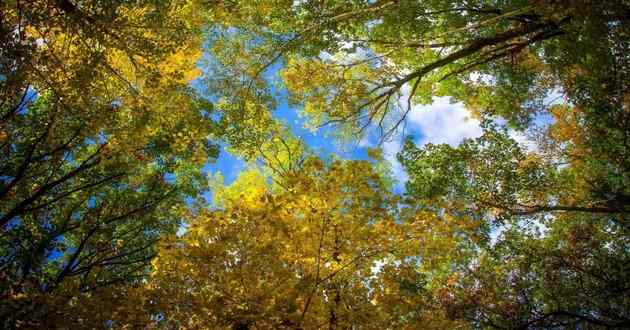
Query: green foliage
[
  {"x": 102, "y": 142},
  {"x": 91, "y": 128},
  {"x": 362, "y": 63}
]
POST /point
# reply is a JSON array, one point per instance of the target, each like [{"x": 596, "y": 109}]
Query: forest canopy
[{"x": 115, "y": 212}]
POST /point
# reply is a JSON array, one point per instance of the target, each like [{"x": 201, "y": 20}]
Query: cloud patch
[
  {"x": 442, "y": 122},
  {"x": 439, "y": 122}
]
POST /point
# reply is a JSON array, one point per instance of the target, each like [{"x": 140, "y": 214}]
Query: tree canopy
[{"x": 111, "y": 111}]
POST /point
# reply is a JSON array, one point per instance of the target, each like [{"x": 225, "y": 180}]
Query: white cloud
[
  {"x": 442, "y": 122},
  {"x": 523, "y": 140},
  {"x": 439, "y": 122}
]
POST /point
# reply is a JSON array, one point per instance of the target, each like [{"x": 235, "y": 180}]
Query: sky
[
  {"x": 442, "y": 121},
  {"x": 439, "y": 122}
]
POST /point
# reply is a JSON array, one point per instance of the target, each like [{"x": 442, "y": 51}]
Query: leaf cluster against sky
[{"x": 338, "y": 164}]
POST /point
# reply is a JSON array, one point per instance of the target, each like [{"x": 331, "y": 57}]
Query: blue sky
[{"x": 440, "y": 122}]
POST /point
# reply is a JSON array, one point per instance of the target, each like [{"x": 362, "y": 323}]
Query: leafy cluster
[{"x": 109, "y": 111}]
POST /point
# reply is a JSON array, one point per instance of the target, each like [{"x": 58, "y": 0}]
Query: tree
[
  {"x": 93, "y": 94},
  {"x": 290, "y": 259},
  {"x": 560, "y": 222},
  {"x": 328, "y": 249},
  {"x": 102, "y": 140},
  {"x": 368, "y": 62},
  {"x": 572, "y": 276}
]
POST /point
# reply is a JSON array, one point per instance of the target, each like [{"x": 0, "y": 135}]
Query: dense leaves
[
  {"x": 110, "y": 110},
  {"x": 92, "y": 95},
  {"x": 366, "y": 63}
]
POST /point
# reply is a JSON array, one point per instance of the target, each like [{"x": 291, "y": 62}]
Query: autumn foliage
[{"x": 110, "y": 112}]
